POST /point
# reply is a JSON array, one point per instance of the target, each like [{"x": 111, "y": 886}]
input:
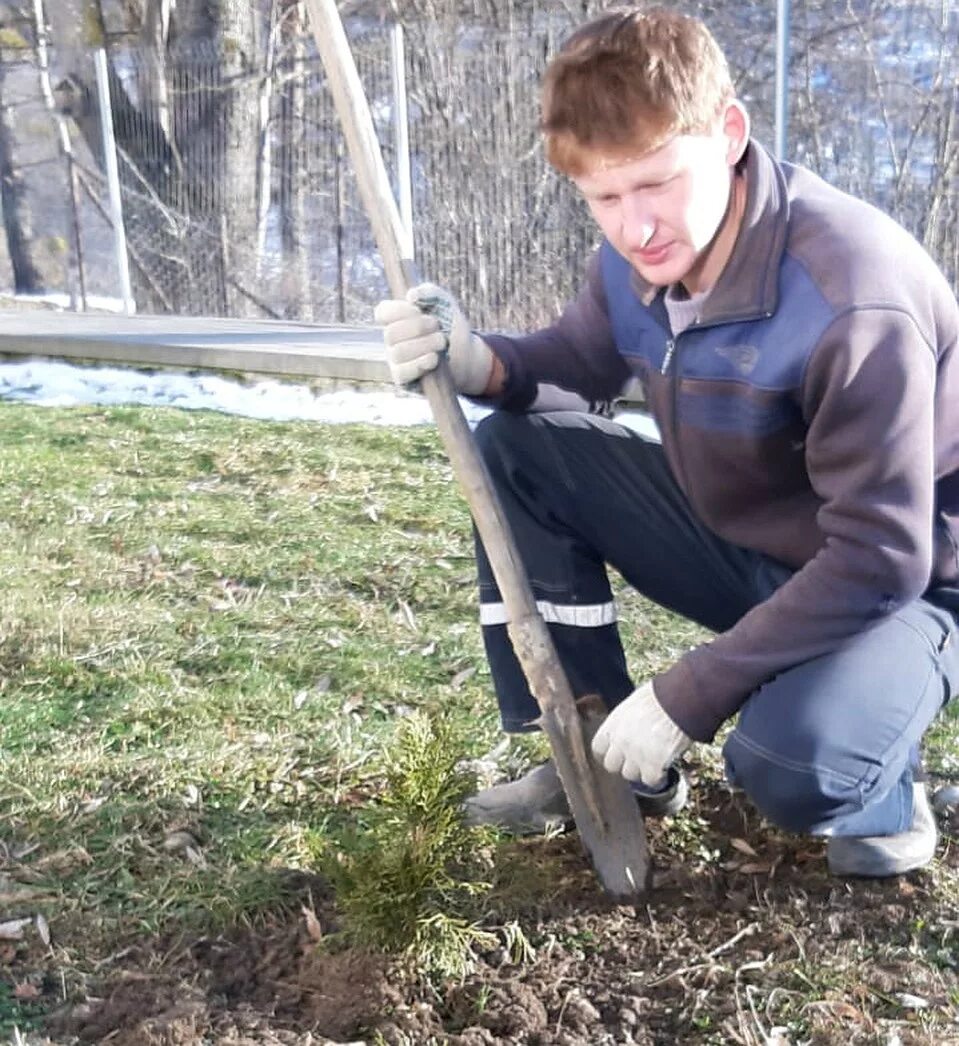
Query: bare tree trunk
[
  {"x": 155, "y": 36},
  {"x": 240, "y": 148},
  {"x": 77, "y": 285},
  {"x": 147, "y": 168},
  {"x": 17, "y": 216}
]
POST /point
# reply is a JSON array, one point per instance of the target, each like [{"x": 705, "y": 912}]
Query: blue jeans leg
[{"x": 829, "y": 747}]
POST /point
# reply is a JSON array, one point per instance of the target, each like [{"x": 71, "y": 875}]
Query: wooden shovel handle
[
  {"x": 534, "y": 646},
  {"x": 610, "y": 825}
]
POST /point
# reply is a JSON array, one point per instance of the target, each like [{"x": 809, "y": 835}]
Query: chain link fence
[{"x": 238, "y": 198}]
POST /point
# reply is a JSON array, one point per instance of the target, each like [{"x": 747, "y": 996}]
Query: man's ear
[{"x": 736, "y": 130}]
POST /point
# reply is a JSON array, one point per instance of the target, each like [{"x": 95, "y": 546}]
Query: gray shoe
[
  {"x": 536, "y": 802},
  {"x": 879, "y": 856}
]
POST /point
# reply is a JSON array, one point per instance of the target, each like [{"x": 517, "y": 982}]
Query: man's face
[{"x": 661, "y": 210}]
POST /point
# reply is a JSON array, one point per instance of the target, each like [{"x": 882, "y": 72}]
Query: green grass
[
  {"x": 217, "y": 621},
  {"x": 217, "y": 624},
  {"x": 214, "y": 626}
]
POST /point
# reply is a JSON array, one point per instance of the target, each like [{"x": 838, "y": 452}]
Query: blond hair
[{"x": 629, "y": 80}]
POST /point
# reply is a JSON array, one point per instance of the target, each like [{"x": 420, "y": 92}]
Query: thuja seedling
[{"x": 410, "y": 883}]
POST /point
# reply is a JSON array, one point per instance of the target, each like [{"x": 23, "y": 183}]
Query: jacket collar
[{"x": 748, "y": 287}]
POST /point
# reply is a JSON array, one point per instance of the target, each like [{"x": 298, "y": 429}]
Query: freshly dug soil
[{"x": 744, "y": 939}]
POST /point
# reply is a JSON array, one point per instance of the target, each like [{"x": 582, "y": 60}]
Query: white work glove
[
  {"x": 639, "y": 741},
  {"x": 426, "y": 324}
]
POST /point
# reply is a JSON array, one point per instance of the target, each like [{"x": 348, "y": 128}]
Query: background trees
[
  {"x": 183, "y": 89},
  {"x": 236, "y": 192}
]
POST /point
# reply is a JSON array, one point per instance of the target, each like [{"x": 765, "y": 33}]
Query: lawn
[{"x": 221, "y": 642}]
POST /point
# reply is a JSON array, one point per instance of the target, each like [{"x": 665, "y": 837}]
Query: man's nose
[{"x": 638, "y": 222}]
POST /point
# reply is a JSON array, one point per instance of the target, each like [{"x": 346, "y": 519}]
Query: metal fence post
[
  {"x": 782, "y": 77},
  {"x": 401, "y": 136},
  {"x": 113, "y": 179}
]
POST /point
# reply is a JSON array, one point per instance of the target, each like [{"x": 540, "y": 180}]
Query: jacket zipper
[
  {"x": 674, "y": 399},
  {"x": 668, "y": 358}
]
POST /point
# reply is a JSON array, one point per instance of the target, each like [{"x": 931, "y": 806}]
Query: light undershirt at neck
[{"x": 683, "y": 308}]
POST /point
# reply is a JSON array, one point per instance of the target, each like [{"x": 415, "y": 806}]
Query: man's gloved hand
[
  {"x": 639, "y": 740},
  {"x": 426, "y": 324}
]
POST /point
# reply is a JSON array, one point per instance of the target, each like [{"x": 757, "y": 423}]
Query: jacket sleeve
[
  {"x": 868, "y": 397},
  {"x": 572, "y": 362}
]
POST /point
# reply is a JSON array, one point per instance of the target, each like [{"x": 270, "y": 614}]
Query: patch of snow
[{"x": 54, "y": 383}]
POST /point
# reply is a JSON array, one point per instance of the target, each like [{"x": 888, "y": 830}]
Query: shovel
[{"x": 603, "y": 806}]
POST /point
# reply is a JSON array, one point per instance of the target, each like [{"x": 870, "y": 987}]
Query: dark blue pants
[{"x": 827, "y": 747}]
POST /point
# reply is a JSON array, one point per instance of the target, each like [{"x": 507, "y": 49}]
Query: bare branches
[{"x": 220, "y": 110}]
